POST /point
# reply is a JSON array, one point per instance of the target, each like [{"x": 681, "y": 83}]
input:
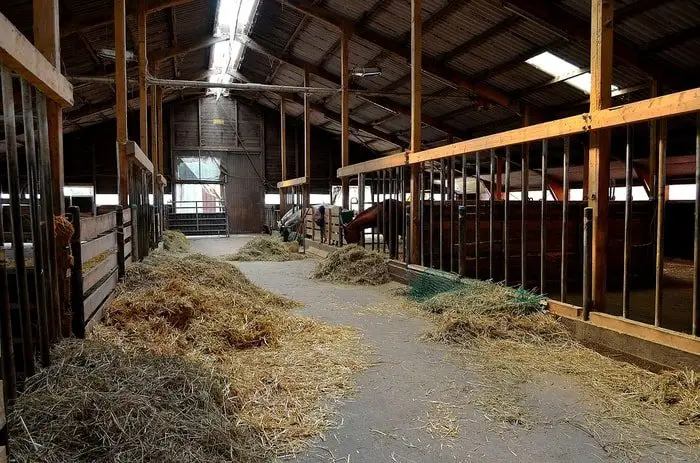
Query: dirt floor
[{"x": 425, "y": 402}]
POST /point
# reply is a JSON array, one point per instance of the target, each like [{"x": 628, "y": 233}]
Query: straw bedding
[
  {"x": 279, "y": 367},
  {"x": 353, "y": 265},
  {"x": 265, "y": 248},
  {"x": 97, "y": 403},
  {"x": 175, "y": 241},
  {"x": 509, "y": 336}
]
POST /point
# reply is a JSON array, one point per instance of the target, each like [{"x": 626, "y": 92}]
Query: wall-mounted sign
[{"x": 218, "y": 121}]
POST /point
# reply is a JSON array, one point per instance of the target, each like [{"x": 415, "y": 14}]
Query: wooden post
[
  {"x": 143, "y": 90},
  {"x": 47, "y": 39},
  {"x": 121, "y": 263},
  {"x": 416, "y": 89},
  {"x": 661, "y": 196},
  {"x": 653, "y": 144},
  {"x": 307, "y": 141},
  {"x": 121, "y": 97},
  {"x": 76, "y": 280},
  {"x": 155, "y": 146},
  {"x": 345, "y": 110},
  {"x": 160, "y": 156},
  {"x": 599, "y": 149},
  {"x": 283, "y": 153}
]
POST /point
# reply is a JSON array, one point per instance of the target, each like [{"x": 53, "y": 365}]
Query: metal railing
[
  {"x": 209, "y": 217},
  {"x": 465, "y": 221}
]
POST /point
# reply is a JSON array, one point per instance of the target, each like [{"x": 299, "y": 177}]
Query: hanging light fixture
[{"x": 366, "y": 72}]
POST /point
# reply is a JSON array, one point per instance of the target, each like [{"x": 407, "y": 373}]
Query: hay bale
[
  {"x": 281, "y": 367},
  {"x": 96, "y": 403},
  {"x": 266, "y": 248},
  {"x": 353, "y": 265},
  {"x": 175, "y": 241}
]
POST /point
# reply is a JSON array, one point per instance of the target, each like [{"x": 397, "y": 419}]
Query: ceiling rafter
[
  {"x": 382, "y": 102},
  {"x": 366, "y": 17},
  {"x": 480, "y": 39},
  {"x": 76, "y": 25},
  {"x": 430, "y": 66},
  {"x": 567, "y": 25}
]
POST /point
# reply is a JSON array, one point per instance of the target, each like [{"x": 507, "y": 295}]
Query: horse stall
[
  {"x": 329, "y": 230},
  {"x": 102, "y": 247}
]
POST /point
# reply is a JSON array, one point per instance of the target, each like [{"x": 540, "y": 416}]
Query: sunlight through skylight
[
  {"x": 557, "y": 67},
  {"x": 233, "y": 19}
]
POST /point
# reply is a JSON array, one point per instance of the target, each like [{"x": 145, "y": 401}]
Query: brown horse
[{"x": 387, "y": 216}]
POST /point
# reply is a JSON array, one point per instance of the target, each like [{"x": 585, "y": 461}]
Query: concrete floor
[{"x": 413, "y": 385}]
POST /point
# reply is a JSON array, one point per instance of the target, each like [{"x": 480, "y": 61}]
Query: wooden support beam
[
  {"x": 653, "y": 144},
  {"x": 94, "y": 22},
  {"x": 345, "y": 111},
  {"x": 292, "y": 182},
  {"x": 674, "y": 104},
  {"x": 566, "y": 25},
  {"x": 283, "y": 151},
  {"x": 143, "y": 90},
  {"x": 121, "y": 90},
  {"x": 416, "y": 138},
  {"x": 599, "y": 149},
  {"x": 48, "y": 43},
  {"x": 143, "y": 108},
  {"x": 159, "y": 119},
  {"x": 136, "y": 155},
  {"x": 386, "y": 103},
  {"x": 430, "y": 66},
  {"x": 307, "y": 139}
]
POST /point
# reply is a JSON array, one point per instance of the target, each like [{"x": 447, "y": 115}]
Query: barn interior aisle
[{"x": 423, "y": 401}]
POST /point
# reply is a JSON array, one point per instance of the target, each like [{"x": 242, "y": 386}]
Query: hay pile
[
  {"x": 480, "y": 309},
  {"x": 175, "y": 241},
  {"x": 97, "y": 403},
  {"x": 353, "y": 265},
  {"x": 512, "y": 341},
  {"x": 281, "y": 368},
  {"x": 266, "y": 248}
]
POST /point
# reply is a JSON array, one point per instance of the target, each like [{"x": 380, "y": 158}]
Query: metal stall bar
[
  {"x": 543, "y": 214},
  {"x": 524, "y": 187},
  {"x": 24, "y": 314},
  {"x": 6, "y": 340},
  {"x": 442, "y": 211},
  {"x": 628, "y": 225},
  {"x": 34, "y": 187},
  {"x": 382, "y": 210},
  {"x": 430, "y": 215},
  {"x": 506, "y": 207},
  {"x": 462, "y": 218},
  {"x": 491, "y": 210},
  {"x": 452, "y": 212},
  {"x": 696, "y": 263},
  {"x": 477, "y": 215},
  {"x": 661, "y": 208},
  {"x": 564, "y": 223},
  {"x": 421, "y": 198},
  {"x": 54, "y": 305}
]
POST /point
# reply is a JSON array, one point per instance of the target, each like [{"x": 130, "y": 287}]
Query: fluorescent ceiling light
[{"x": 556, "y": 67}]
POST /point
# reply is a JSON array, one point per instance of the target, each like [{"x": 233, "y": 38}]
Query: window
[
  {"x": 560, "y": 68},
  {"x": 195, "y": 168},
  {"x": 193, "y": 198}
]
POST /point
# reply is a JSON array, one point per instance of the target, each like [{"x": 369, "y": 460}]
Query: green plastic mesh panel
[{"x": 429, "y": 283}]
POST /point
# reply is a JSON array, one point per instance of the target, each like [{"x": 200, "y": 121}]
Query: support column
[
  {"x": 121, "y": 97},
  {"x": 307, "y": 141},
  {"x": 345, "y": 111},
  {"x": 154, "y": 129},
  {"x": 653, "y": 145},
  {"x": 599, "y": 149},
  {"x": 283, "y": 152},
  {"x": 143, "y": 90},
  {"x": 47, "y": 39},
  {"x": 416, "y": 89}
]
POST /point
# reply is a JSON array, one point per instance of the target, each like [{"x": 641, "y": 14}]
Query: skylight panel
[
  {"x": 558, "y": 67},
  {"x": 233, "y": 18}
]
